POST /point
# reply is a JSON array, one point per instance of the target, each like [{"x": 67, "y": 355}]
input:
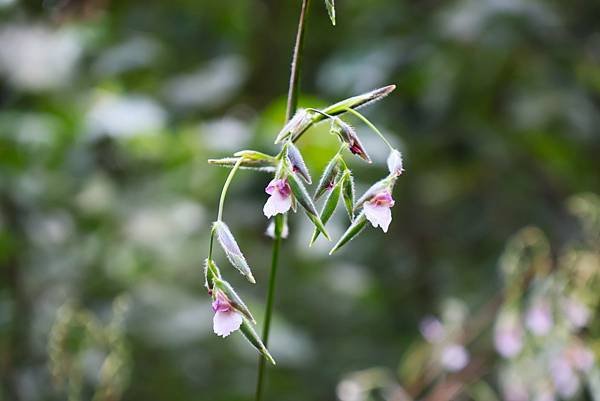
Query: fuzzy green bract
[
  {"x": 328, "y": 208},
  {"x": 355, "y": 228},
  {"x": 250, "y": 334},
  {"x": 232, "y": 250}
]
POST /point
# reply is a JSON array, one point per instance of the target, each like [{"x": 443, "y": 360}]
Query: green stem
[
  {"x": 269, "y": 308},
  {"x": 234, "y": 170},
  {"x": 292, "y": 105},
  {"x": 292, "y": 99},
  {"x": 370, "y": 125}
]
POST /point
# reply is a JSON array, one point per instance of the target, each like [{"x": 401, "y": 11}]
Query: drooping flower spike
[{"x": 287, "y": 190}]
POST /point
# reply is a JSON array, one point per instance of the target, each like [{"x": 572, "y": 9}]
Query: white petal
[
  {"x": 225, "y": 323},
  {"x": 277, "y": 204},
  {"x": 378, "y": 215}
]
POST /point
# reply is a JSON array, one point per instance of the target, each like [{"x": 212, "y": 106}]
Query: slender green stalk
[
  {"x": 269, "y": 309},
  {"x": 292, "y": 105},
  {"x": 234, "y": 170},
  {"x": 370, "y": 125},
  {"x": 292, "y": 99}
]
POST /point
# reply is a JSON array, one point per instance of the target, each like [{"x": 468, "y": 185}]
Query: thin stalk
[
  {"x": 269, "y": 309},
  {"x": 234, "y": 170},
  {"x": 292, "y": 99},
  {"x": 292, "y": 105},
  {"x": 370, "y": 125}
]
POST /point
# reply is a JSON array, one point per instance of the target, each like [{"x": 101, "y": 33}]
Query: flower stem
[
  {"x": 269, "y": 308},
  {"x": 292, "y": 104},
  {"x": 234, "y": 170},
  {"x": 370, "y": 125}
]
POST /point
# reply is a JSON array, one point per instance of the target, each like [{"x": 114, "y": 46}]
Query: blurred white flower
[
  {"x": 513, "y": 388},
  {"x": 563, "y": 376},
  {"x": 432, "y": 329},
  {"x": 454, "y": 357},
  {"x": 126, "y": 116},
  {"x": 580, "y": 357},
  {"x": 35, "y": 57},
  {"x": 508, "y": 335},
  {"x": 577, "y": 313},
  {"x": 350, "y": 390},
  {"x": 538, "y": 318}
]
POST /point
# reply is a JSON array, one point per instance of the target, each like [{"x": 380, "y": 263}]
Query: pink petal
[
  {"x": 378, "y": 215},
  {"x": 225, "y": 323},
  {"x": 276, "y": 204}
]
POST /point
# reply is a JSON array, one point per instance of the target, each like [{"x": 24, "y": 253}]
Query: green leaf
[
  {"x": 232, "y": 250},
  {"x": 355, "y": 228},
  {"x": 266, "y": 166},
  {"x": 328, "y": 208},
  {"x": 330, "y": 4},
  {"x": 328, "y": 177},
  {"x": 301, "y": 195},
  {"x": 250, "y": 334},
  {"x": 234, "y": 298},
  {"x": 348, "y": 193}
]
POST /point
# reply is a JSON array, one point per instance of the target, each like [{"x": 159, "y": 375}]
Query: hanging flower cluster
[
  {"x": 543, "y": 319},
  {"x": 287, "y": 190}
]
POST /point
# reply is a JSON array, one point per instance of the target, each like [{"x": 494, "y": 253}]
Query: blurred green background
[{"x": 110, "y": 109}]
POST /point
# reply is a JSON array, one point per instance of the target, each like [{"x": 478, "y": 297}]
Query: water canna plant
[{"x": 286, "y": 190}]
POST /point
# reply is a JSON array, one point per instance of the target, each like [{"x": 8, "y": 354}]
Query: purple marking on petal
[
  {"x": 383, "y": 199},
  {"x": 221, "y": 304}
]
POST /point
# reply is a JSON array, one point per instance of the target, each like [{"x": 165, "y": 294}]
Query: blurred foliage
[{"x": 110, "y": 109}]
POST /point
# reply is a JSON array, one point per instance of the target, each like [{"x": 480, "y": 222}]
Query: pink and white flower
[
  {"x": 377, "y": 210},
  {"x": 432, "y": 329},
  {"x": 454, "y": 357},
  {"x": 280, "y": 200},
  {"x": 539, "y": 318},
  {"x": 508, "y": 335},
  {"x": 226, "y": 319}
]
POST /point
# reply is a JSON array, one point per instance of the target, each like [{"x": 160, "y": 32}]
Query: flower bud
[
  {"x": 299, "y": 123},
  {"x": 394, "y": 163},
  {"x": 232, "y": 250},
  {"x": 297, "y": 163},
  {"x": 348, "y": 135}
]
